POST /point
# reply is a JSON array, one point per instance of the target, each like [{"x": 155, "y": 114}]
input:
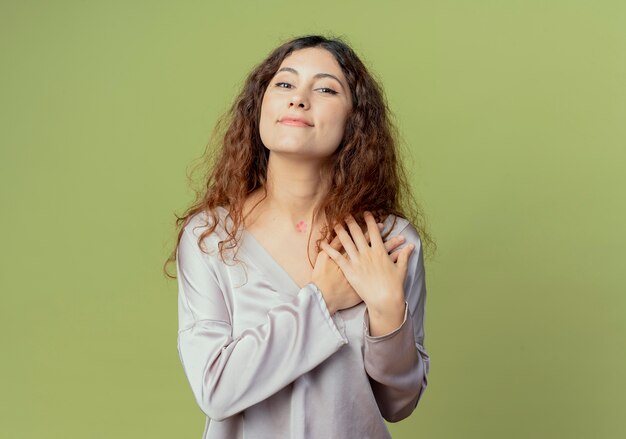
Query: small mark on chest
[{"x": 301, "y": 226}]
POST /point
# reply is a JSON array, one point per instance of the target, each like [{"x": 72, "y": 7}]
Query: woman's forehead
[{"x": 311, "y": 58}]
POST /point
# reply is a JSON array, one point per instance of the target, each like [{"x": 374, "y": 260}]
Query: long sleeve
[
  {"x": 229, "y": 374},
  {"x": 397, "y": 363}
]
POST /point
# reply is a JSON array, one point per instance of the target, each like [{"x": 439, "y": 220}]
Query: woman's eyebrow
[{"x": 317, "y": 75}]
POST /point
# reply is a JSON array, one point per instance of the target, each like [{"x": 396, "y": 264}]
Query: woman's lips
[{"x": 294, "y": 123}]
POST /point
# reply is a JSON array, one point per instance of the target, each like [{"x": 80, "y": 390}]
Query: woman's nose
[{"x": 298, "y": 100}]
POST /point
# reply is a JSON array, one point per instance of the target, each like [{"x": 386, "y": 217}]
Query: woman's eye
[
  {"x": 333, "y": 92},
  {"x": 329, "y": 90}
]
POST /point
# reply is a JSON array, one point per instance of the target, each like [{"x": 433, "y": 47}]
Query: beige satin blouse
[{"x": 266, "y": 360}]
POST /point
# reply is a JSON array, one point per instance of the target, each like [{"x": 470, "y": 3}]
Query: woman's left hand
[{"x": 370, "y": 270}]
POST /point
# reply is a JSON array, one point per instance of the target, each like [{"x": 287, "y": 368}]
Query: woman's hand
[
  {"x": 335, "y": 288},
  {"x": 370, "y": 271}
]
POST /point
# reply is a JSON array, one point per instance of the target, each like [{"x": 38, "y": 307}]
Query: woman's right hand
[{"x": 336, "y": 290}]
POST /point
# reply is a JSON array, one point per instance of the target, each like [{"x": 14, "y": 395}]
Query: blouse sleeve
[
  {"x": 228, "y": 374},
  {"x": 397, "y": 363}
]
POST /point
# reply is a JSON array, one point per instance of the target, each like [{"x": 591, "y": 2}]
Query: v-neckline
[
  {"x": 287, "y": 282},
  {"x": 268, "y": 259}
]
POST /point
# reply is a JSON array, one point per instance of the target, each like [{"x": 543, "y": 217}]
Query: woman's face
[{"x": 303, "y": 88}]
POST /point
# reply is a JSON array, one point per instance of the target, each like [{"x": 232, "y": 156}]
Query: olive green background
[{"x": 514, "y": 112}]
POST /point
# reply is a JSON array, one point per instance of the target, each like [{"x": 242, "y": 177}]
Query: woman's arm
[
  {"x": 226, "y": 374},
  {"x": 397, "y": 362}
]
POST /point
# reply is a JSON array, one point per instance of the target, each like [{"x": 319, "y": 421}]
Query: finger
[
  {"x": 346, "y": 241},
  {"x": 367, "y": 234},
  {"x": 375, "y": 238},
  {"x": 357, "y": 234},
  {"x": 394, "y": 242},
  {"x": 394, "y": 255},
  {"x": 339, "y": 259},
  {"x": 403, "y": 256},
  {"x": 336, "y": 242}
]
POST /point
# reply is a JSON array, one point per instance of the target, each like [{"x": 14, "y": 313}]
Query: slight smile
[{"x": 294, "y": 123}]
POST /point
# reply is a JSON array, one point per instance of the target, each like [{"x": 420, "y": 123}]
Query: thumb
[{"x": 336, "y": 243}]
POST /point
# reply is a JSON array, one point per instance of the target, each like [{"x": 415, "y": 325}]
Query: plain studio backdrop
[{"x": 513, "y": 114}]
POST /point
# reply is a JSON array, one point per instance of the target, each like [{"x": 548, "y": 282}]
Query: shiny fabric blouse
[{"x": 265, "y": 359}]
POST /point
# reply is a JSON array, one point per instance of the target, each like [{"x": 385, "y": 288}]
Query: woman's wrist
[
  {"x": 387, "y": 319},
  {"x": 329, "y": 305}
]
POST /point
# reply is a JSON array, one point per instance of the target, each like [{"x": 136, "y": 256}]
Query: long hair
[{"x": 364, "y": 172}]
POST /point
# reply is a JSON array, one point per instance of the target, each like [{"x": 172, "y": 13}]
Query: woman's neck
[{"x": 294, "y": 190}]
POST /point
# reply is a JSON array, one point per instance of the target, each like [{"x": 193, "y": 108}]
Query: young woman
[{"x": 277, "y": 337}]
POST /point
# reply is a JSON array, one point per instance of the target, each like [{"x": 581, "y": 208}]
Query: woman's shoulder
[
  {"x": 402, "y": 226},
  {"x": 199, "y": 222}
]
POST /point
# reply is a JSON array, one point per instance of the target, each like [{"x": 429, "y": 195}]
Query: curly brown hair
[{"x": 364, "y": 172}]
